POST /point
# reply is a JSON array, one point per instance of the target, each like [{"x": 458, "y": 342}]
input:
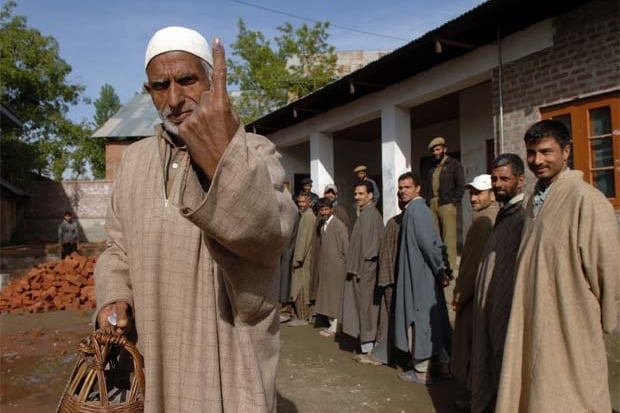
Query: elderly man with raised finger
[{"x": 189, "y": 265}]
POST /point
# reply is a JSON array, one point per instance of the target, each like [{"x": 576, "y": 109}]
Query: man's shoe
[
  {"x": 366, "y": 359},
  {"x": 413, "y": 376}
]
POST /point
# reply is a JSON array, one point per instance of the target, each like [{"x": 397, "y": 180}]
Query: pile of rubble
[{"x": 60, "y": 285}]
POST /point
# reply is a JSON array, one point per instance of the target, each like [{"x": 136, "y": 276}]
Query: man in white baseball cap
[
  {"x": 482, "y": 201},
  {"x": 190, "y": 267}
]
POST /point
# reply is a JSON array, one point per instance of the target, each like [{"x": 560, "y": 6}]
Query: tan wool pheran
[
  {"x": 565, "y": 297},
  {"x": 200, "y": 269}
]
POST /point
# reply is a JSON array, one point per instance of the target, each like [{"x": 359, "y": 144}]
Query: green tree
[
  {"x": 268, "y": 78},
  {"x": 93, "y": 149},
  {"x": 106, "y": 105},
  {"x": 33, "y": 83}
]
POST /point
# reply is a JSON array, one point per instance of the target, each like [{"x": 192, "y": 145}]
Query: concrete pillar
[
  {"x": 395, "y": 154},
  {"x": 321, "y": 161}
]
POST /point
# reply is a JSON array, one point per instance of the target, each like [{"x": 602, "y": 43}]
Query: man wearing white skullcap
[{"x": 190, "y": 270}]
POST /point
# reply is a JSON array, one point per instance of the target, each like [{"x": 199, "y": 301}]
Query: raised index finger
[{"x": 219, "y": 69}]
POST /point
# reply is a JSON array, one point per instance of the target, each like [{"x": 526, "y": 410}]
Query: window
[{"x": 594, "y": 124}]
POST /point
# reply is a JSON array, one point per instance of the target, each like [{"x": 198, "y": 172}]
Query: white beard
[{"x": 169, "y": 126}]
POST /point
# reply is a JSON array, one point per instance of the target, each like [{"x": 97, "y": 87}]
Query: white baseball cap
[{"x": 481, "y": 182}]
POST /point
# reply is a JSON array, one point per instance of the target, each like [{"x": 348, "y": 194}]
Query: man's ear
[
  {"x": 147, "y": 88},
  {"x": 566, "y": 152}
]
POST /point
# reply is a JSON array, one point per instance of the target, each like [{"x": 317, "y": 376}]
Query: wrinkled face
[
  {"x": 303, "y": 202},
  {"x": 360, "y": 175},
  {"x": 176, "y": 81},
  {"x": 480, "y": 199},
  {"x": 325, "y": 212},
  {"x": 362, "y": 196},
  {"x": 407, "y": 190},
  {"x": 439, "y": 151},
  {"x": 546, "y": 159},
  {"x": 506, "y": 185}
]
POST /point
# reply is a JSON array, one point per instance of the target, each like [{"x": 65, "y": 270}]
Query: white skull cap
[{"x": 176, "y": 38}]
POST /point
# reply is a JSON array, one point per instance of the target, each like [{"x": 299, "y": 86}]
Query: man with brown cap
[
  {"x": 361, "y": 173},
  {"x": 331, "y": 192},
  {"x": 189, "y": 268},
  {"x": 444, "y": 185},
  {"x": 306, "y": 188}
]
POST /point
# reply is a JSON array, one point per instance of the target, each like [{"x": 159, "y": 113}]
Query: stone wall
[
  {"x": 113, "y": 154},
  {"x": 583, "y": 60},
  {"x": 87, "y": 200}
]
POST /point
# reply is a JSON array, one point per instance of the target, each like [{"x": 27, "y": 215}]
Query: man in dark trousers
[{"x": 68, "y": 237}]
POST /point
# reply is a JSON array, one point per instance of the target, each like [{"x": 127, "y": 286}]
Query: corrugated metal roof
[
  {"x": 15, "y": 190},
  {"x": 475, "y": 28},
  {"x": 134, "y": 120}
]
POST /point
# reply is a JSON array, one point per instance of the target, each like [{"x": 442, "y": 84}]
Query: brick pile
[{"x": 60, "y": 285}]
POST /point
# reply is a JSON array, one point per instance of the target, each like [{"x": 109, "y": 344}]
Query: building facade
[{"x": 480, "y": 81}]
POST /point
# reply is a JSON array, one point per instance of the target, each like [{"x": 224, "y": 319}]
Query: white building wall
[
  {"x": 395, "y": 155},
  {"x": 295, "y": 159},
  {"x": 321, "y": 161},
  {"x": 476, "y": 127}
]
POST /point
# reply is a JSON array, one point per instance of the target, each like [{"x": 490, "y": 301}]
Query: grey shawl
[{"x": 420, "y": 300}]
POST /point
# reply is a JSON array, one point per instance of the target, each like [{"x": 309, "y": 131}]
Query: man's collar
[
  {"x": 169, "y": 138},
  {"x": 514, "y": 200}
]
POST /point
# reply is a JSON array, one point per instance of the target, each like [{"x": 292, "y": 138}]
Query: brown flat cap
[{"x": 436, "y": 141}]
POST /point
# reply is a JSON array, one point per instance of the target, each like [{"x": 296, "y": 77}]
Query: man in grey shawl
[
  {"x": 495, "y": 282},
  {"x": 421, "y": 324},
  {"x": 360, "y": 309},
  {"x": 188, "y": 265}
]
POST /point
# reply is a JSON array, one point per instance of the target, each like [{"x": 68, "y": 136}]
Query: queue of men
[{"x": 537, "y": 284}]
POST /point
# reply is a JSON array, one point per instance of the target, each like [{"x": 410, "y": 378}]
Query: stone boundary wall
[{"x": 87, "y": 200}]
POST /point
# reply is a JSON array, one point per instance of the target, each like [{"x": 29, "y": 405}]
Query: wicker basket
[{"x": 104, "y": 380}]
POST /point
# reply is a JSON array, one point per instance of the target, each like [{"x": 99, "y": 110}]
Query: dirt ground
[{"x": 316, "y": 374}]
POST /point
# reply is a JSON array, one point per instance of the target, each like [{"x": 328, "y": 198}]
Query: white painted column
[
  {"x": 395, "y": 154},
  {"x": 321, "y": 161}
]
